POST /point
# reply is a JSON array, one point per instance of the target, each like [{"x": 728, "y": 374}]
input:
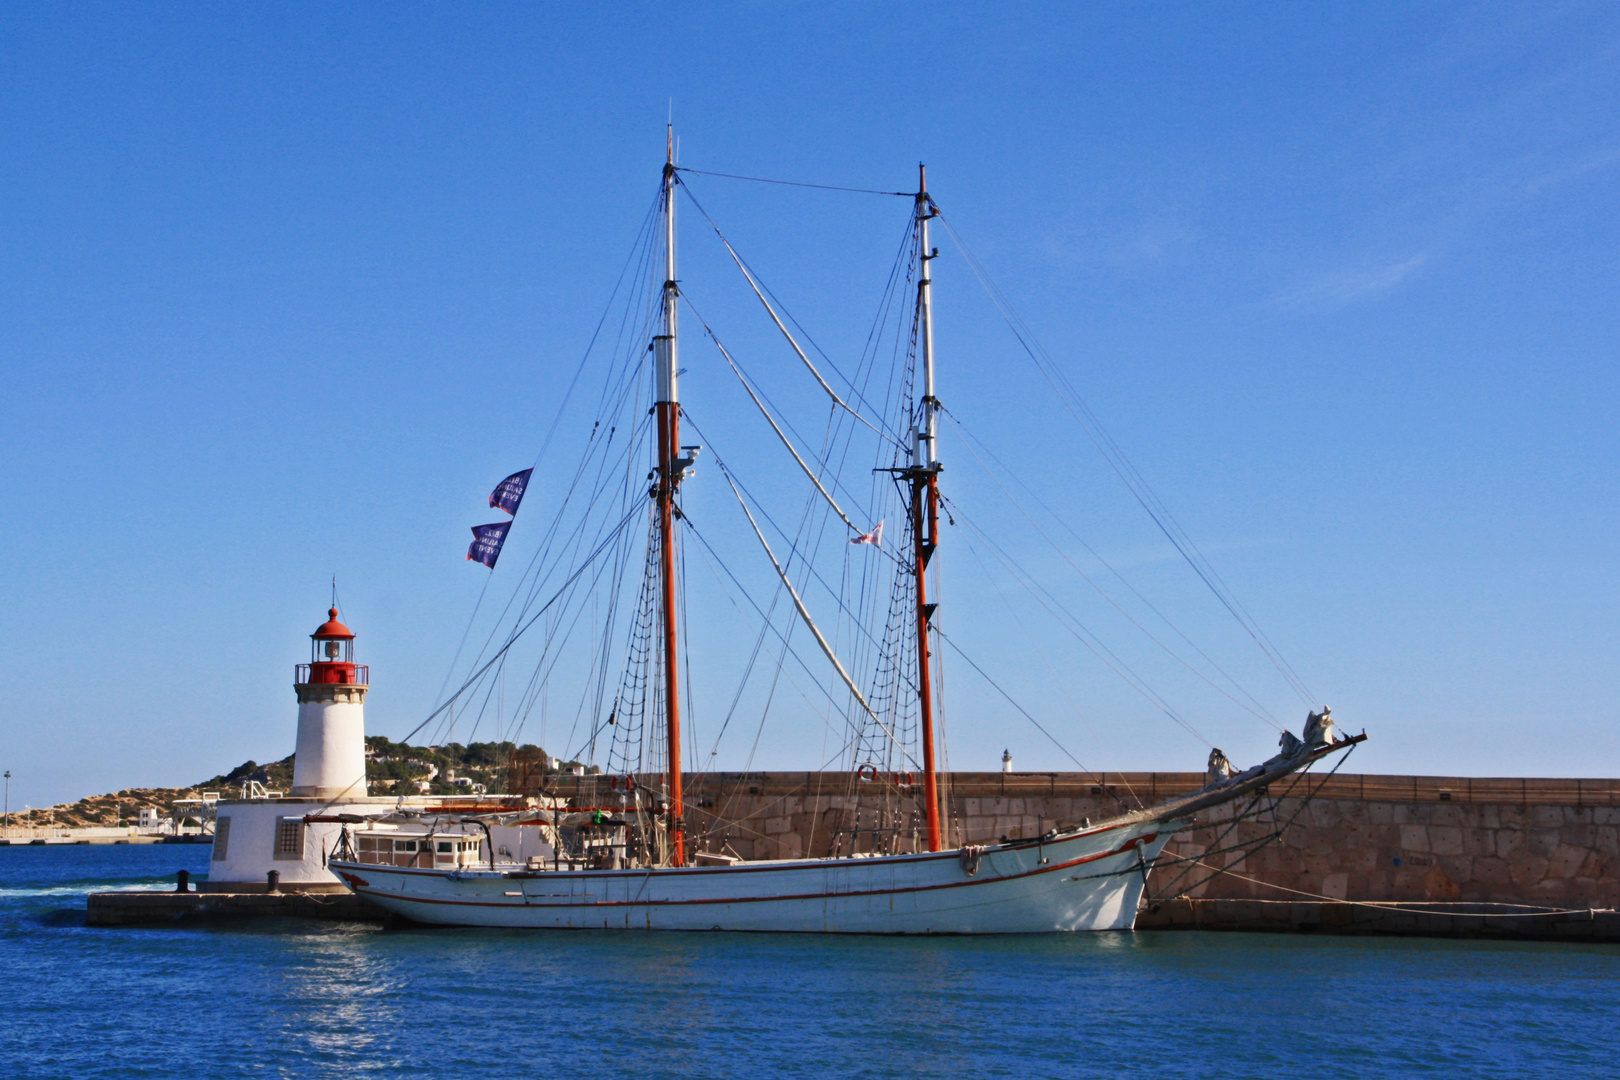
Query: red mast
[
  {"x": 670, "y": 469},
  {"x": 924, "y": 475}
]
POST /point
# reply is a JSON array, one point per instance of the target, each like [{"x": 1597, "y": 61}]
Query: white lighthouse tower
[{"x": 331, "y": 688}]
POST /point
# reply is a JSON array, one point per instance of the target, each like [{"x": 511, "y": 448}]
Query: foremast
[
  {"x": 924, "y": 478},
  {"x": 670, "y": 468}
]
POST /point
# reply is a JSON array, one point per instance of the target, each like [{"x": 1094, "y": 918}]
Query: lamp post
[{"x": 8, "y": 799}]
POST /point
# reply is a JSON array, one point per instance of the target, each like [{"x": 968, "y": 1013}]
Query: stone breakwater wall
[
  {"x": 1549, "y": 843},
  {"x": 1553, "y": 843}
]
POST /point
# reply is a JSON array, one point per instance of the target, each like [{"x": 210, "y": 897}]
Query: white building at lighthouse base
[{"x": 253, "y": 837}]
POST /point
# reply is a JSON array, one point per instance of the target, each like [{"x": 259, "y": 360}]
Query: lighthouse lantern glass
[{"x": 333, "y": 650}]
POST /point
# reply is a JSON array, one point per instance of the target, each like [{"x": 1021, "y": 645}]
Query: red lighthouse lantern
[{"x": 332, "y": 656}]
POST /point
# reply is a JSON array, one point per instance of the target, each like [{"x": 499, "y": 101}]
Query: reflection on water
[{"x": 296, "y": 999}]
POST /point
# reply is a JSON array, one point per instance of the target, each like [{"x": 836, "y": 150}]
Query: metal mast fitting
[
  {"x": 924, "y": 476},
  {"x": 670, "y": 470}
]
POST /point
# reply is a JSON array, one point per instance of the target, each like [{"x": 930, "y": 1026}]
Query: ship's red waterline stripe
[{"x": 1129, "y": 845}]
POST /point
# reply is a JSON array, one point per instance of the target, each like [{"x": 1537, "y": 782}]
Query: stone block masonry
[{"x": 1548, "y": 843}]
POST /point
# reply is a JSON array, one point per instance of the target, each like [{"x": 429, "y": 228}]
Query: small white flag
[{"x": 875, "y": 537}]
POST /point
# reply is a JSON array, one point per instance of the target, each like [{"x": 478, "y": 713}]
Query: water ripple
[{"x": 311, "y": 1000}]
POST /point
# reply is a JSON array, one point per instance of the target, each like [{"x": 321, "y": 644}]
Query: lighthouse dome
[{"x": 332, "y": 629}]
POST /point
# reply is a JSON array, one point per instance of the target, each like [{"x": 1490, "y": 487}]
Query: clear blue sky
[{"x": 287, "y": 288}]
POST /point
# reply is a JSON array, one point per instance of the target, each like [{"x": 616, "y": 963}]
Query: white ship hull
[{"x": 1086, "y": 880}]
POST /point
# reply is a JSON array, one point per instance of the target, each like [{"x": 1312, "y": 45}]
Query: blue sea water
[{"x": 295, "y": 999}]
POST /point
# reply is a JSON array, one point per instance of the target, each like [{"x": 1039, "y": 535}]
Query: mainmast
[
  {"x": 924, "y": 476},
  {"x": 670, "y": 469}
]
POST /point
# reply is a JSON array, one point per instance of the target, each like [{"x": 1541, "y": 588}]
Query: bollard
[
  {"x": 274, "y": 878},
  {"x": 182, "y": 881}
]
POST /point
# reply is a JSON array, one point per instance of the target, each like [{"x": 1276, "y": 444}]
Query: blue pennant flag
[
  {"x": 509, "y": 492},
  {"x": 487, "y": 541}
]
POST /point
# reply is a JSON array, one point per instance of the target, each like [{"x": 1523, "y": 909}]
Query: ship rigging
[{"x": 603, "y": 604}]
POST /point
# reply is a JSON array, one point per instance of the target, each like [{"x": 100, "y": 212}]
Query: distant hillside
[{"x": 391, "y": 769}]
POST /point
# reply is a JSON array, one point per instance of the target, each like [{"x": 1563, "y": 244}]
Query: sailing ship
[{"x": 640, "y": 858}]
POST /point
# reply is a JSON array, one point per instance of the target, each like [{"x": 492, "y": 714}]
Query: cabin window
[
  {"x": 444, "y": 845},
  {"x": 404, "y": 845},
  {"x": 222, "y": 839},
  {"x": 289, "y": 839}
]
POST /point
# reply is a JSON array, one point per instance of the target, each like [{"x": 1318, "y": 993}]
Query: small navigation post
[{"x": 8, "y": 802}]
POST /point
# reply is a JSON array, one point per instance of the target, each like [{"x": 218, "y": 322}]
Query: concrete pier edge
[{"x": 135, "y": 908}]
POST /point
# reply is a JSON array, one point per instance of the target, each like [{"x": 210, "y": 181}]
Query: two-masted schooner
[{"x": 635, "y": 861}]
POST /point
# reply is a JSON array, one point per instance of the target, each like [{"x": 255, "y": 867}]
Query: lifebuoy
[{"x": 867, "y": 772}]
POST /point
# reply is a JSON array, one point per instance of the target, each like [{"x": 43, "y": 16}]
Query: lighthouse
[
  {"x": 268, "y": 841},
  {"x": 331, "y": 688}
]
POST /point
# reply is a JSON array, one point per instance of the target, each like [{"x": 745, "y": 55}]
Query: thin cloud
[{"x": 1349, "y": 286}]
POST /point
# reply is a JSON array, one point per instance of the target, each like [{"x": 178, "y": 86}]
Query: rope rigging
[
  {"x": 1122, "y": 466},
  {"x": 604, "y": 633},
  {"x": 1066, "y": 619},
  {"x": 780, "y": 326},
  {"x": 1254, "y": 710},
  {"x": 769, "y": 419},
  {"x": 795, "y": 183},
  {"x": 804, "y": 613}
]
